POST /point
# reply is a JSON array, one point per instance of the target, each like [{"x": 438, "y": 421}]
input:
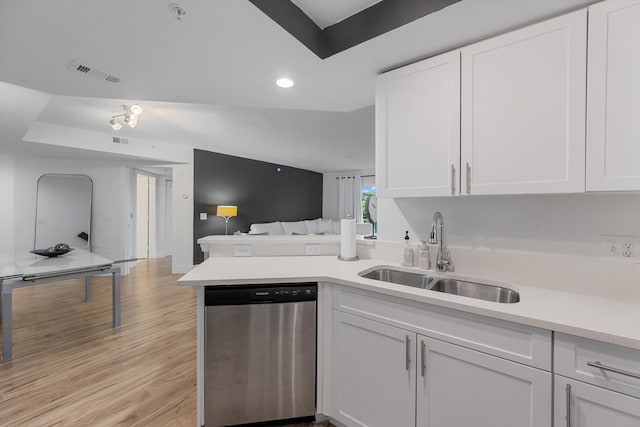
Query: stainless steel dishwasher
[{"x": 260, "y": 353}]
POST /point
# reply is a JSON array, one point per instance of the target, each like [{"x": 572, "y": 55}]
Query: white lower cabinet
[
  {"x": 596, "y": 384},
  {"x": 388, "y": 376},
  {"x": 578, "y": 404},
  {"x": 373, "y": 378},
  {"x": 459, "y": 387}
]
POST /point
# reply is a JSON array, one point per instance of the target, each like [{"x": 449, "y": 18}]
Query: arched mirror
[{"x": 63, "y": 211}]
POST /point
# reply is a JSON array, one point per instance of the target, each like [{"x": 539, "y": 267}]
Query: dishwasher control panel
[{"x": 260, "y": 294}]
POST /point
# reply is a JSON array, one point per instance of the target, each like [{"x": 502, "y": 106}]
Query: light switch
[
  {"x": 241, "y": 250},
  {"x": 203, "y": 216}
]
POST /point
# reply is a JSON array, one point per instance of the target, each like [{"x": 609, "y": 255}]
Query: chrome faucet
[{"x": 443, "y": 259}]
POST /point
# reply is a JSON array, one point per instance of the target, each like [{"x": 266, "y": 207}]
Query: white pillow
[
  {"x": 271, "y": 228},
  {"x": 324, "y": 226},
  {"x": 313, "y": 226},
  {"x": 298, "y": 227}
]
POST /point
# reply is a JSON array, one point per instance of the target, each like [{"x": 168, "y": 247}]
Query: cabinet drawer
[
  {"x": 578, "y": 358},
  {"x": 520, "y": 343}
]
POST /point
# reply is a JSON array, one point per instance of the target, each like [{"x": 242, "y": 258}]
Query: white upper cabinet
[
  {"x": 523, "y": 110},
  {"x": 418, "y": 129},
  {"x": 613, "y": 97}
]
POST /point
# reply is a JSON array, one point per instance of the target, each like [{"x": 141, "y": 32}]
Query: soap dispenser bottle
[
  {"x": 423, "y": 256},
  {"x": 407, "y": 252}
]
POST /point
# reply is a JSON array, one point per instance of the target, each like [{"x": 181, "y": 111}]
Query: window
[{"x": 368, "y": 188}]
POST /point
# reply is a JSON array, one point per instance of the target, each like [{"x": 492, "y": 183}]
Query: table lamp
[{"x": 226, "y": 212}]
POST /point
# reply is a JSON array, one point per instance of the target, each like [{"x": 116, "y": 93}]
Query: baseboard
[{"x": 181, "y": 269}]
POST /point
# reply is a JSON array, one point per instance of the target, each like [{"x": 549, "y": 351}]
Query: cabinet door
[
  {"x": 458, "y": 387},
  {"x": 523, "y": 110},
  {"x": 591, "y": 406},
  {"x": 373, "y": 378},
  {"x": 418, "y": 129},
  {"x": 613, "y": 97}
]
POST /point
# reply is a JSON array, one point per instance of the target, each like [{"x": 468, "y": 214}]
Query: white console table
[{"x": 32, "y": 270}]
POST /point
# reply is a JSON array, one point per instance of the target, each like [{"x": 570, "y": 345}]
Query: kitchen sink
[
  {"x": 475, "y": 290},
  {"x": 400, "y": 277},
  {"x": 446, "y": 285}
]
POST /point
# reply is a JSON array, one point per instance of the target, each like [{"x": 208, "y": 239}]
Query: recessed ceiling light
[{"x": 285, "y": 82}]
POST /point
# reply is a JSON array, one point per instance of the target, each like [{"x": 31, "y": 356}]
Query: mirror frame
[{"x": 89, "y": 232}]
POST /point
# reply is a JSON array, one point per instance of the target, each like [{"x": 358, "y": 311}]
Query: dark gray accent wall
[
  {"x": 263, "y": 192},
  {"x": 364, "y": 25}
]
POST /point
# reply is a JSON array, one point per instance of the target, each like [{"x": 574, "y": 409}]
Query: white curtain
[{"x": 350, "y": 197}]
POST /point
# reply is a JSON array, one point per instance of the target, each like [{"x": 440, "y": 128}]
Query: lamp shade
[{"x": 227, "y": 211}]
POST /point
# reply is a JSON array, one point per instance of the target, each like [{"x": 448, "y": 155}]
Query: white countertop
[{"x": 599, "y": 318}]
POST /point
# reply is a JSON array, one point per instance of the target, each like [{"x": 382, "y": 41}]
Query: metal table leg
[
  {"x": 7, "y": 350},
  {"x": 115, "y": 294},
  {"x": 87, "y": 288}
]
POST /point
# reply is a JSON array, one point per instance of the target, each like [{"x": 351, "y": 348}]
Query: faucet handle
[{"x": 446, "y": 261}]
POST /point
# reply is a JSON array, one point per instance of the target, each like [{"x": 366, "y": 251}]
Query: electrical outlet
[
  {"x": 620, "y": 246},
  {"x": 310, "y": 249},
  {"x": 241, "y": 250},
  {"x": 203, "y": 216}
]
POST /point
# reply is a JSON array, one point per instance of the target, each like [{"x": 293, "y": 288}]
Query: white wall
[
  {"x": 7, "y": 191},
  {"x": 182, "y": 260},
  {"x": 164, "y": 211},
  {"x": 330, "y": 191},
  {"x": 110, "y": 202},
  {"x": 562, "y": 223},
  {"x": 47, "y": 133}
]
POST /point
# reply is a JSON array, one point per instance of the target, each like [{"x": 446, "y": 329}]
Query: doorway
[{"x": 146, "y": 241}]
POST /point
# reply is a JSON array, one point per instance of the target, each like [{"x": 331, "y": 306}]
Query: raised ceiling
[
  {"x": 329, "y": 12},
  {"x": 224, "y": 55}
]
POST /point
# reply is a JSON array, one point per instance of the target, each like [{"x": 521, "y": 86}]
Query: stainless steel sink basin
[
  {"x": 463, "y": 288},
  {"x": 400, "y": 277},
  {"x": 476, "y": 290}
]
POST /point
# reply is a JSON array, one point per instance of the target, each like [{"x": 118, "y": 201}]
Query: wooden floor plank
[{"x": 71, "y": 368}]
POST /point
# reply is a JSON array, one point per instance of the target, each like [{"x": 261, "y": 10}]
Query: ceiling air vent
[
  {"x": 118, "y": 140},
  {"x": 90, "y": 71}
]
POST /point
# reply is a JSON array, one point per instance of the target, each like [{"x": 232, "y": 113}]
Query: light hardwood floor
[{"x": 71, "y": 368}]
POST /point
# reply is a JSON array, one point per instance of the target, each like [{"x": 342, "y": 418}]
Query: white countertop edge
[{"x": 541, "y": 308}]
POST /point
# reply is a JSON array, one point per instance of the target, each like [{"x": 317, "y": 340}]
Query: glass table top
[{"x": 31, "y": 265}]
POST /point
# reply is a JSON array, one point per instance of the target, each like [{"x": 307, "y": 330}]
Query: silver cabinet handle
[
  {"x": 453, "y": 180},
  {"x": 568, "y": 418},
  {"x": 408, "y": 349},
  {"x": 468, "y": 178},
  {"x": 599, "y": 365},
  {"x": 423, "y": 357}
]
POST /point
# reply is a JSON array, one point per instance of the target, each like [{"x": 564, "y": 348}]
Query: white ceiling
[
  {"x": 313, "y": 140},
  {"x": 207, "y": 81},
  {"x": 329, "y": 12}
]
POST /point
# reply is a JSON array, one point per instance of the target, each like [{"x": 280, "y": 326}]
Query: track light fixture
[
  {"x": 114, "y": 125},
  {"x": 131, "y": 113}
]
